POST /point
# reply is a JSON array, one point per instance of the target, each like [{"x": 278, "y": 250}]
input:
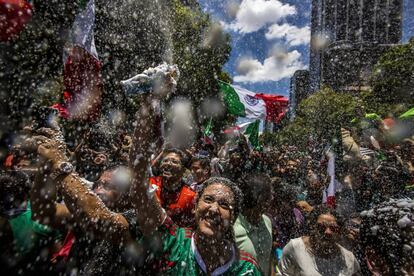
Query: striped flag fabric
[
  {"x": 82, "y": 69},
  {"x": 249, "y": 129},
  {"x": 208, "y": 132},
  {"x": 244, "y": 103},
  {"x": 329, "y": 193},
  {"x": 252, "y": 134}
]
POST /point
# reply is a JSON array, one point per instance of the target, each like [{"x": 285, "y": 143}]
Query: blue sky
[{"x": 270, "y": 39}]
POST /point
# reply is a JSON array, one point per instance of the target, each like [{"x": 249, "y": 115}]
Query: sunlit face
[
  {"x": 106, "y": 189},
  {"x": 200, "y": 174},
  {"x": 171, "y": 168},
  {"x": 215, "y": 211},
  {"x": 313, "y": 179},
  {"x": 326, "y": 230}
]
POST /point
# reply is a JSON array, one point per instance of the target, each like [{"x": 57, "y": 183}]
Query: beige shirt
[
  {"x": 255, "y": 240},
  {"x": 297, "y": 260}
]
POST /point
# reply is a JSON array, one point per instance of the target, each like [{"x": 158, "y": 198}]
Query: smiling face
[
  {"x": 215, "y": 211},
  {"x": 171, "y": 168}
]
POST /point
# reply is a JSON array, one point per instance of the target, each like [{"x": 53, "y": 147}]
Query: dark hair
[
  {"x": 14, "y": 188},
  {"x": 388, "y": 228},
  {"x": 284, "y": 192},
  {"x": 318, "y": 210},
  {"x": 238, "y": 196},
  {"x": 204, "y": 161},
  {"x": 183, "y": 156},
  {"x": 252, "y": 187}
]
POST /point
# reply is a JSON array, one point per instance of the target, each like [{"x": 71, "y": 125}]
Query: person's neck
[
  {"x": 324, "y": 250},
  {"x": 215, "y": 253},
  {"x": 252, "y": 216},
  {"x": 172, "y": 185}
]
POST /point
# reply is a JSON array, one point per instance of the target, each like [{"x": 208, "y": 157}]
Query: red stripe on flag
[{"x": 276, "y": 106}]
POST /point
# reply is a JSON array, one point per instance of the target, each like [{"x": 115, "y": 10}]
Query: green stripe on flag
[
  {"x": 208, "y": 127},
  {"x": 232, "y": 100},
  {"x": 252, "y": 132}
]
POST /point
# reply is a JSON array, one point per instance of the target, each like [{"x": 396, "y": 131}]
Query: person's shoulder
[
  {"x": 188, "y": 191},
  {"x": 350, "y": 259},
  {"x": 172, "y": 229},
  {"x": 296, "y": 241},
  {"x": 293, "y": 245},
  {"x": 246, "y": 257},
  {"x": 267, "y": 219},
  {"x": 346, "y": 253}
]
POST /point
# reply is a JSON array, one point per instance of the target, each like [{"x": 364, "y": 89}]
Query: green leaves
[
  {"x": 199, "y": 58},
  {"x": 393, "y": 77},
  {"x": 320, "y": 115}
]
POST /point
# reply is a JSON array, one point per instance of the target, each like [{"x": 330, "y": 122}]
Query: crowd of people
[{"x": 72, "y": 203}]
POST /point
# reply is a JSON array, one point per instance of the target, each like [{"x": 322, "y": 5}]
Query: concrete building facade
[{"x": 348, "y": 37}]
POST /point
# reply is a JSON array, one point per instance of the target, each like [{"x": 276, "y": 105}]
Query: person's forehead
[
  {"x": 106, "y": 175},
  {"x": 172, "y": 155},
  {"x": 326, "y": 219},
  {"x": 219, "y": 190},
  {"x": 196, "y": 163}
]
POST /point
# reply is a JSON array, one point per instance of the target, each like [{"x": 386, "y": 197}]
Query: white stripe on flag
[
  {"x": 82, "y": 30},
  {"x": 255, "y": 108}
]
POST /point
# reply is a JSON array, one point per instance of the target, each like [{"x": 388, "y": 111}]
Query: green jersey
[
  {"x": 182, "y": 257},
  {"x": 29, "y": 234}
]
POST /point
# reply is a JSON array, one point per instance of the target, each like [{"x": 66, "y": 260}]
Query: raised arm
[
  {"x": 150, "y": 213},
  {"x": 45, "y": 209},
  {"x": 85, "y": 206}
]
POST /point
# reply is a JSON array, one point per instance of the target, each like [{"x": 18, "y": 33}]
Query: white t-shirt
[{"x": 297, "y": 260}]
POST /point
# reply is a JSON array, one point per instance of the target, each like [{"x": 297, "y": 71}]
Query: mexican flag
[
  {"x": 242, "y": 102},
  {"x": 82, "y": 69},
  {"x": 252, "y": 134},
  {"x": 329, "y": 194},
  {"x": 208, "y": 132},
  {"x": 249, "y": 129}
]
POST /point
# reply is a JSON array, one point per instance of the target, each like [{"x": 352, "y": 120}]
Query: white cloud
[
  {"x": 293, "y": 35},
  {"x": 252, "y": 15},
  {"x": 278, "y": 66}
]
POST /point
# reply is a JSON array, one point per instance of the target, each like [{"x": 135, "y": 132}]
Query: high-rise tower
[{"x": 348, "y": 37}]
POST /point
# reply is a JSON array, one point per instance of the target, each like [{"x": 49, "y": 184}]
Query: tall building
[
  {"x": 348, "y": 37},
  {"x": 299, "y": 90}
]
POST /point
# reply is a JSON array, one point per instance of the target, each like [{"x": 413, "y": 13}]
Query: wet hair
[
  {"x": 284, "y": 192},
  {"x": 319, "y": 210},
  {"x": 388, "y": 228},
  {"x": 252, "y": 187},
  {"x": 183, "y": 156},
  {"x": 14, "y": 188},
  {"x": 238, "y": 196},
  {"x": 204, "y": 161}
]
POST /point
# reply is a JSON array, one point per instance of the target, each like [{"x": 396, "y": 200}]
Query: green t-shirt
[
  {"x": 255, "y": 240},
  {"x": 180, "y": 252},
  {"x": 28, "y": 233}
]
